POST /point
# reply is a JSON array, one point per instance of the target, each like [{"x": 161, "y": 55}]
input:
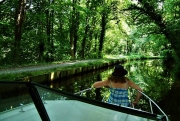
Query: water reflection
[
  {"x": 150, "y": 75},
  {"x": 12, "y": 96},
  {"x": 81, "y": 82},
  {"x": 155, "y": 79}
]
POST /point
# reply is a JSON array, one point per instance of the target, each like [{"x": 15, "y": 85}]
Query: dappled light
[
  {"x": 39, "y": 33},
  {"x": 87, "y": 30},
  {"x": 52, "y": 76}
]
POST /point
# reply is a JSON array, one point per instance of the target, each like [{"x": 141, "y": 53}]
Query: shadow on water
[{"x": 170, "y": 102}]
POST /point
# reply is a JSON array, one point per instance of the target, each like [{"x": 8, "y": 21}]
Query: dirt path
[{"x": 43, "y": 67}]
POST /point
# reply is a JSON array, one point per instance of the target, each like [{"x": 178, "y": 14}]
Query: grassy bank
[{"x": 9, "y": 76}]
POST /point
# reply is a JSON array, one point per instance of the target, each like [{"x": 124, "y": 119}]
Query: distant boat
[{"x": 49, "y": 104}]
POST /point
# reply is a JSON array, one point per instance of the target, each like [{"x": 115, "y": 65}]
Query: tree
[
  {"x": 104, "y": 20},
  {"x": 53, "y": 30},
  {"x": 20, "y": 18},
  {"x": 49, "y": 30},
  {"x": 158, "y": 12}
]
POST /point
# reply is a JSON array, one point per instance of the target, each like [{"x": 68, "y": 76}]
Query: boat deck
[
  {"x": 62, "y": 106},
  {"x": 68, "y": 110}
]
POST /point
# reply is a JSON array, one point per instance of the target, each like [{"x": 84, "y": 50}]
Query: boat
[{"x": 41, "y": 103}]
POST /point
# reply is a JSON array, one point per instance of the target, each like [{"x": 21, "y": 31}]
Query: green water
[
  {"x": 153, "y": 76},
  {"x": 156, "y": 79}
]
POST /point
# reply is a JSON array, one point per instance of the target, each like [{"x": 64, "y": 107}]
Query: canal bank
[
  {"x": 137, "y": 69},
  {"x": 60, "y": 70}
]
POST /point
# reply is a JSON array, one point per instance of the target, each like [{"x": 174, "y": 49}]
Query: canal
[{"x": 155, "y": 78}]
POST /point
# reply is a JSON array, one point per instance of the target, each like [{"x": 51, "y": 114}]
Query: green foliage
[
  {"x": 52, "y": 31},
  {"x": 156, "y": 21}
]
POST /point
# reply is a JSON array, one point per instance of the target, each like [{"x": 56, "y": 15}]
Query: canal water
[{"x": 155, "y": 78}]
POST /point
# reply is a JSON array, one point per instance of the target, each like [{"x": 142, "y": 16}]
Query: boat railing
[
  {"x": 150, "y": 103},
  {"x": 81, "y": 92},
  {"x": 37, "y": 94},
  {"x": 104, "y": 99}
]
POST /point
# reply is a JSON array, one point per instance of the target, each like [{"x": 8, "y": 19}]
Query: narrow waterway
[{"x": 155, "y": 79}]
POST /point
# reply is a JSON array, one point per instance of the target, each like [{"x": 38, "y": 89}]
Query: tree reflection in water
[{"x": 156, "y": 80}]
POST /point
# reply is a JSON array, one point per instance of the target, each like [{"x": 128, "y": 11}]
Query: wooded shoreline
[{"x": 54, "y": 71}]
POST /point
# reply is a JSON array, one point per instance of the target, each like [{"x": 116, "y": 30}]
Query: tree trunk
[
  {"x": 52, "y": 33},
  {"x": 72, "y": 28},
  {"x": 76, "y": 33},
  {"x": 49, "y": 31},
  {"x": 41, "y": 45},
  {"x": 20, "y": 18},
  {"x": 83, "y": 45},
  {"x": 103, "y": 29}
]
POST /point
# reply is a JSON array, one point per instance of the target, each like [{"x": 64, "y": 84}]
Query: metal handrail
[
  {"x": 38, "y": 102},
  {"x": 150, "y": 101},
  {"x": 81, "y": 92},
  {"x": 167, "y": 119}
]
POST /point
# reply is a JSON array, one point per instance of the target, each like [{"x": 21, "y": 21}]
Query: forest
[{"x": 35, "y": 31}]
